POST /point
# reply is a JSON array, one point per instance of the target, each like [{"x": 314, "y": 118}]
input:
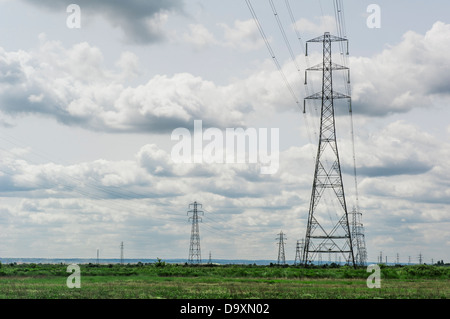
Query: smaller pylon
[
  {"x": 194, "y": 247},
  {"x": 121, "y": 253},
  {"x": 281, "y": 255},
  {"x": 358, "y": 237},
  {"x": 298, "y": 250}
]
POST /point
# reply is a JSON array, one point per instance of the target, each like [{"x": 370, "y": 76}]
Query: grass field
[{"x": 169, "y": 281}]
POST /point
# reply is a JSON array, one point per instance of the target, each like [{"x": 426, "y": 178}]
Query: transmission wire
[{"x": 271, "y": 52}]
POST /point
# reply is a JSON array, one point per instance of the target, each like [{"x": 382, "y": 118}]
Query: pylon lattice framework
[
  {"x": 121, "y": 253},
  {"x": 194, "y": 247},
  {"x": 322, "y": 235},
  {"x": 281, "y": 254},
  {"x": 298, "y": 252},
  {"x": 359, "y": 243}
]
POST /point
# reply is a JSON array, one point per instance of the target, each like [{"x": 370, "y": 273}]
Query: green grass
[{"x": 170, "y": 281}]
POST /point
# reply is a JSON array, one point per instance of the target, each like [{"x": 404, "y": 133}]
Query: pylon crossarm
[{"x": 334, "y": 67}]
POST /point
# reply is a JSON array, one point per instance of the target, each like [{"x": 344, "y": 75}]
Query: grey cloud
[
  {"x": 392, "y": 169},
  {"x": 398, "y": 149},
  {"x": 404, "y": 76},
  {"x": 152, "y": 174},
  {"x": 10, "y": 73},
  {"x": 139, "y": 19},
  {"x": 77, "y": 90}
]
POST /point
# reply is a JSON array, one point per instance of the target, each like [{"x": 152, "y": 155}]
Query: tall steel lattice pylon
[
  {"x": 195, "y": 256},
  {"x": 281, "y": 255},
  {"x": 330, "y": 235}
]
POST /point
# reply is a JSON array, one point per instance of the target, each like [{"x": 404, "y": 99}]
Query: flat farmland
[{"x": 169, "y": 281}]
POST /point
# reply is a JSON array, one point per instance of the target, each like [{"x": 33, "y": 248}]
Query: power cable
[{"x": 271, "y": 52}]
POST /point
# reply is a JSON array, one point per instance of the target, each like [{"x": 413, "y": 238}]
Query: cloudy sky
[{"x": 87, "y": 114}]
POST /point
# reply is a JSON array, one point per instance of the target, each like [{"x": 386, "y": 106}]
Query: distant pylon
[
  {"x": 121, "y": 253},
  {"x": 194, "y": 247},
  {"x": 281, "y": 254},
  {"x": 298, "y": 253},
  {"x": 359, "y": 242},
  {"x": 323, "y": 235}
]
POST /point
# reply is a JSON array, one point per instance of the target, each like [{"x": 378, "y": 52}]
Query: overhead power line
[{"x": 271, "y": 52}]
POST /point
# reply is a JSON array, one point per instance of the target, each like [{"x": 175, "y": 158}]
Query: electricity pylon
[
  {"x": 281, "y": 254},
  {"x": 121, "y": 253},
  {"x": 324, "y": 235},
  {"x": 194, "y": 247},
  {"x": 298, "y": 253},
  {"x": 359, "y": 242}
]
